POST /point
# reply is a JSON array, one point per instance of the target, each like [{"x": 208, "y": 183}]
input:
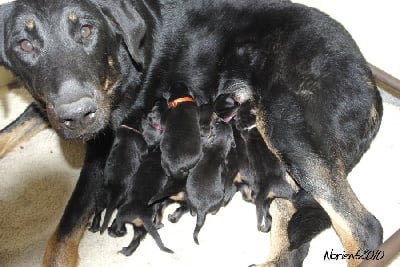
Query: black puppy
[
  {"x": 180, "y": 142},
  {"x": 262, "y": 175},
  {"x": 152, "y": 124},
  {"x": 149, "y": 178},
  {"x": 126, "y": 154},
  {"x": 205, "y": 112},
  {"x": 267, "y": 177},
  {"x": 205, "y": 188},
  {"x": 129, "y": 147}
]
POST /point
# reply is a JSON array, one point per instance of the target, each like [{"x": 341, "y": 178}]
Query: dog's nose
[{"x": 80, "y": 113}]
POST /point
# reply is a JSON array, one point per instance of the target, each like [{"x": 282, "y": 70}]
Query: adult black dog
[{"x": 87, "y": 62}]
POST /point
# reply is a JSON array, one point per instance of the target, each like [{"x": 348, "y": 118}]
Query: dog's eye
[
  {"x": 86, "y": 31},
  {"x": 26, "y": 45}
]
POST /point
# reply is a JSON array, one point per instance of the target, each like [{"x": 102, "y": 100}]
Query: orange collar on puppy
[{"x": 176, "y": 102}]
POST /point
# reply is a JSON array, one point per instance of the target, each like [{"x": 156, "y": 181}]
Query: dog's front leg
[{"x": 62, "y": 247}]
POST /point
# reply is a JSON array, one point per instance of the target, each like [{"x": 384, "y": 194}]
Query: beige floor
[{"x": 38, "y": 177}]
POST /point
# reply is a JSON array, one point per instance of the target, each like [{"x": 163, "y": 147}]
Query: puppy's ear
[
  {"x": 5, "y": 10},
  {"x": 129, "y": 23}
]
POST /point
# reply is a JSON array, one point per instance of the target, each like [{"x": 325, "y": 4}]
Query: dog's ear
[
  {"x": 129, "y": 23},
  {"x": 5, "y": 10}
]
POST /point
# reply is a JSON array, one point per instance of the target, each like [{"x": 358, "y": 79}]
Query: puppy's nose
[{"x": 80, "y": 113}]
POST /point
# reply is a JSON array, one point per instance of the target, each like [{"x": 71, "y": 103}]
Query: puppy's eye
[
  {"x": 26, "y": 45},
  {"x": 86, "y": 31}
]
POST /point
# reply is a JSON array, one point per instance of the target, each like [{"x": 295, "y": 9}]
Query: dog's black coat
[{"x": 317, "y": 106}]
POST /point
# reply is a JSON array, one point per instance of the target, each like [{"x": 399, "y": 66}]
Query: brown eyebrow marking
[
  {"x": 72, "y": 16},
  {"x": 30, "y": 24}
]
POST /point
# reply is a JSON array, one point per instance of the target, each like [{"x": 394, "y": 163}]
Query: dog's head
[{"x": 74, "y": 57}]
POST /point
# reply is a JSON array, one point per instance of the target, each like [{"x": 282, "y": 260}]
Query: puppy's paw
[
  {"x": 159, "y": 225},
  {"x": 266, "y": 227},
  {"x": 172, "y": 218},
  {"x": 114, "y": 231}
]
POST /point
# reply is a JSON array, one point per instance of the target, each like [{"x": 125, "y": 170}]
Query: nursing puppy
[
  {"x": 126, "y": 154},
  {"x": 152, "y": 124},
  {"x": 266, "y": 177},
  {"x": 204, "y": 187},
  {"x": 129, "y": 148},
  {"x": 149, "y": 178},
  {"x": 180, "y": 141},
  {"x": 205, "y": 112}
]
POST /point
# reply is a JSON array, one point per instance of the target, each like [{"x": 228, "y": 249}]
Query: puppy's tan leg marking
[
  {"x": 137, "y": 222},
  {"x": 63, "y": 253},
  {"x": 178, "y": 197},
  {"x": 238, "y": 179}
]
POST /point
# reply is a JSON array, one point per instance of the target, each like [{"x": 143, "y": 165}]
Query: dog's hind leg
[
  {"x": 139, "y": 233},
  {"x": 324, "y": 175},
  {"x": 356, "y": 227},
  {"x": 178, "y": 213},
  {"x": 28, "y": 124},
  {"x": 152, "y": 230}
]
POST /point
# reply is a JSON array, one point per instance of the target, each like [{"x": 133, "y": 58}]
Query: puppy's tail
[
  {"x": 309, "y": 220},
  {"x": 152, "y": 230},
  {"x": 201, "y": 218},
  {"x": 27, "y": 125}
]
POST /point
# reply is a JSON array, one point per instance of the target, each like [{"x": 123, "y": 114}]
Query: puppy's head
[
  {"x": 246, "y": 117},
  {"x": 152, "y": 123},
  {"x": 221, "y": 134},
  {"x": 73, "y": 57},
  {"x": 226, "y": 107},
  {"x": 205, "y": 111}
]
